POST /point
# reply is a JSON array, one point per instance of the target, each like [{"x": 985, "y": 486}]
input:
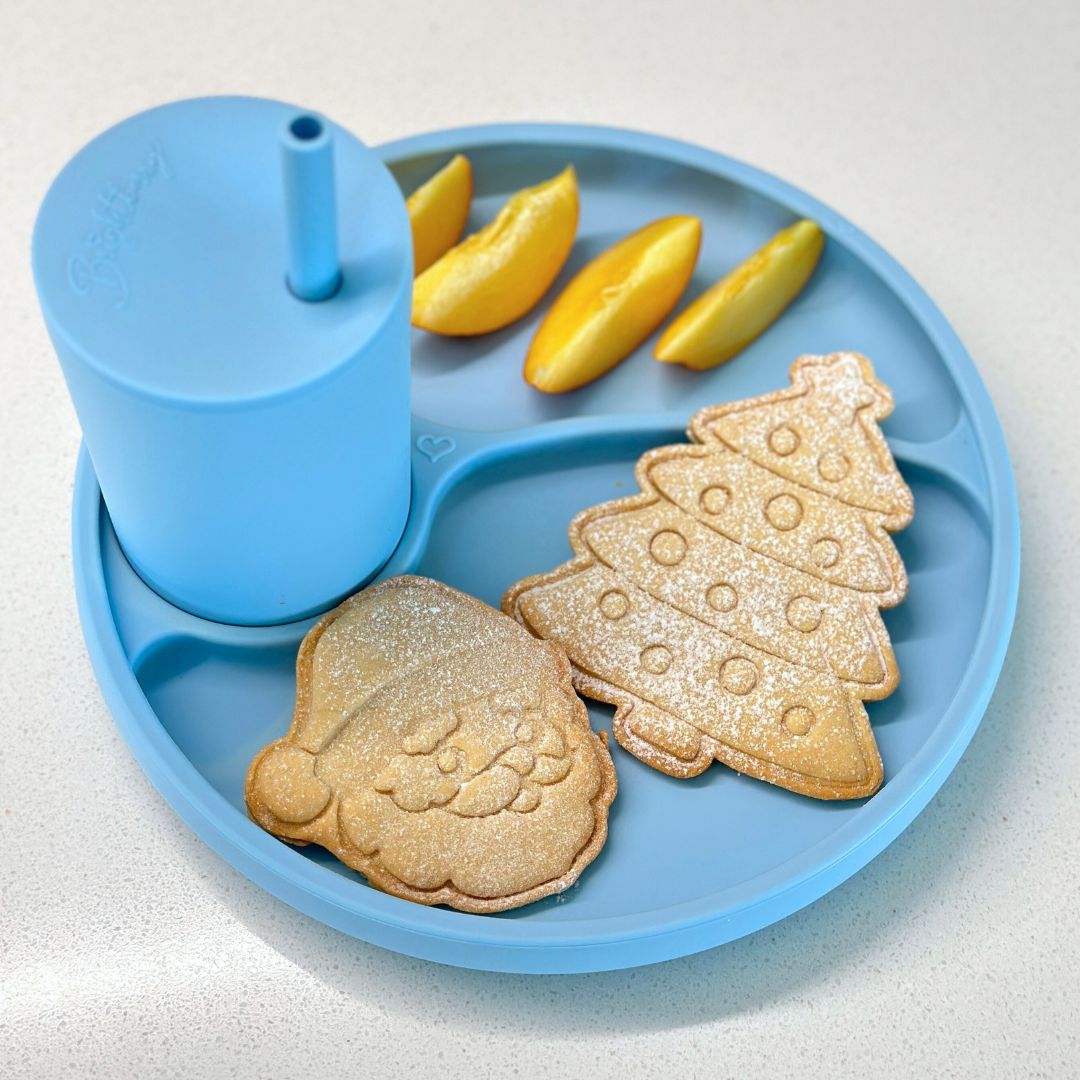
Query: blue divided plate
[{"x": 498, "y": 472}]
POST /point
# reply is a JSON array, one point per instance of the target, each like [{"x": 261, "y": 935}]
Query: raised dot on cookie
[
  {"x": 614, "y": 604},
  {"x": 713, "y": 499},
  {"x": 833, "y": 466},
  {"x": 656, "y": 659},
  {"x": 784, "y": 512},
  {"x": 738, "y": 675},
  {"x": 798, "y": 720},
  {"x": 804, "y": 613},
  {"x": 826, "y": 552},
  {"x": 449, "y": 759},
  {"x": 722, "y": 597},
  {"x": 668, "y": 547},
  {"x": 524, "y": 732},
  {"x": 783, "y": 440}
]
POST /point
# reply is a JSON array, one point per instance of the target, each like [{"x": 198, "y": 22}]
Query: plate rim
[{"x": 626, "y": 940}]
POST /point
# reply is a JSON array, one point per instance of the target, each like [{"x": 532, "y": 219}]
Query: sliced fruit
[
  {"x": 613, "y": 305},
  {"x": 739, "y": 307},
  {"x": 499, "y": 273},
  {"x": 438, "y": 211}
]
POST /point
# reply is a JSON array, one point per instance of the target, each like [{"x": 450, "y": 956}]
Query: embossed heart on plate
[{"x": 434, "y": 447}]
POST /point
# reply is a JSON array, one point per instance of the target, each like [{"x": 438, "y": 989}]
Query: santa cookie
[
  {"x": 731, "y": 609},
  {"x": 438, "y": 749}
]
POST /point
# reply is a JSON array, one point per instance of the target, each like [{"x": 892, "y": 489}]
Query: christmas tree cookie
[{"x": 731, "y": 609}]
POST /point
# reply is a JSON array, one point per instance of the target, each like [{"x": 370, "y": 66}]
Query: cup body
[
  {"x": 259, "y": 512},
  {"x": 252, "y": 449}
]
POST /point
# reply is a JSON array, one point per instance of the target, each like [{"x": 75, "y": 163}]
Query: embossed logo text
[{"x": 96, "y": 266}]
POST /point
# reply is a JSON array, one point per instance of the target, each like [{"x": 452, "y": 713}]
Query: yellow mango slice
[
  {"x": 739, "y": 307},
  {"x": 438, "y": 210},
  {"x": 613, "y": 305},
  {"x": 499, "y": 273}
]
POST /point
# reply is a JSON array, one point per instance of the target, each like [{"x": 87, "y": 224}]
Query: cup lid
[{"x": 160, "y": 255}]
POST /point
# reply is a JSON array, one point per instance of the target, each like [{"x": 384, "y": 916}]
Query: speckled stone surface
[{"x": 948, "y": 131}]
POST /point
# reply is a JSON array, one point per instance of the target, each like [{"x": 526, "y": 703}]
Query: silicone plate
[{"x": 499, "y": 470}]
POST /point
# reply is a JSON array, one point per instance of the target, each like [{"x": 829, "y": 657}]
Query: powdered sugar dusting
[
  {"x": 731, "y": 609},
  {"x": 439, "y": 749}
]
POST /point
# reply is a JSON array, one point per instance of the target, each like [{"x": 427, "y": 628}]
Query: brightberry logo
[{"x": 96, "y": 268}]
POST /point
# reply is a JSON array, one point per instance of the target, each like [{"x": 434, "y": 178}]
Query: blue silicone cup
[
  {"x": 252, "y": 447},
  {"x": 498, "y": 472}
]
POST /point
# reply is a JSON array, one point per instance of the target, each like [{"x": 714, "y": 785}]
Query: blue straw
[{"x": 307, "y": 157}]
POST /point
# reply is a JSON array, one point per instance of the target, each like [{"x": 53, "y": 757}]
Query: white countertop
[{"x": 949, "y": 132}]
